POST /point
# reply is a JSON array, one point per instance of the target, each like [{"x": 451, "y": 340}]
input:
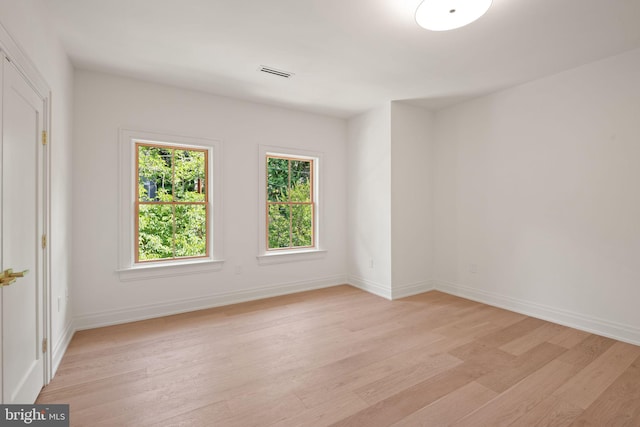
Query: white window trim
[
  {"x": 127, "y": 268},
  {"x": 290, "y": 255}
]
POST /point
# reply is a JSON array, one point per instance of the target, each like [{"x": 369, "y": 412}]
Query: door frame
[{"x": 11, "y": 50}]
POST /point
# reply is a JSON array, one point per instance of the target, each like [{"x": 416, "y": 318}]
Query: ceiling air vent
[{"x": 275, "y": 72}]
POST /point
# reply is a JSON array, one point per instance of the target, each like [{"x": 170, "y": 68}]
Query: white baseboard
[
  {"x": 618, "y": 331},
  {"x": 60, "y": 347},
  {"x": 371, "y": 287},
  {"x": 396, "y": 292},
  {"x": 132, "y": 314},
  {"x": 403, "y": 291}
]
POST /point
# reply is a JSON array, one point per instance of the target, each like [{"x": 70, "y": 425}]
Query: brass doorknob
[{"x": 8, "y": 277}]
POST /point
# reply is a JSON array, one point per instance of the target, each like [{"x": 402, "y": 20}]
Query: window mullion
[
  {"x": 136, "y": 221},
  {"x": 266, "y": 192},
  {"x": 313, "y": 207},
  {"x": 290, "y": 206},
  {"x": 173, "y": 199}
]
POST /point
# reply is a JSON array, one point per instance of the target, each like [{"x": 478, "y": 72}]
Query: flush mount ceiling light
[{"x": 443, "y": 15}]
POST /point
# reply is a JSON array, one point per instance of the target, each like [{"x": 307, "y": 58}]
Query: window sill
[
  {"x": 290, "y": 256},
  {"x": 168, "y": 269}
]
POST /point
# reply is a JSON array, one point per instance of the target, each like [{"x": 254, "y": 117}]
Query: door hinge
[
  {"x": 44, "y": 345},
  {"x": 44, "y": 137},
  {"x": 44, "y": 241}
]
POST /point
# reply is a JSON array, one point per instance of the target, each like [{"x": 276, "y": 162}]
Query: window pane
[
  {"x": 302, "y": 225},
  {"x": 155, "y": 232},
  {"x": 277, "y": 179},
  {"x": 154, "y": 173},
  {"x": 279, "y": 226},
  {"x": 190, "y": 176},
  {"x": 300, "y": 181},
  {"x": 191, "y": 230}
]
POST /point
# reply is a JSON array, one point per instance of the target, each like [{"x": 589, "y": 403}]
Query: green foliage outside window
[
  {"x": 289, "y": 203},
  {"x": 172, "y": 203}
]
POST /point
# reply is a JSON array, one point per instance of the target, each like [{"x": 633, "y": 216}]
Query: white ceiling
[{"x": 347, "y": 55}]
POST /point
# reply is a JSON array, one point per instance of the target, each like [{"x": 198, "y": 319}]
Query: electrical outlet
[
  {"x": 371, "y": 263},
  {"x": 473, "y": 268},
  {"x": 238, "y": 269},
  {"x": 59, "y": 303}
]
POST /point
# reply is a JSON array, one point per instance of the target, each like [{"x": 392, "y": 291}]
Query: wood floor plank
[
  {"x": 512, "y": 332},
  {"x": 267, "y": 413},
  {"x": 207, "y": 415},
  {"x": 478, "y": 321},
  {"x": 520, "y": 367},
  {"x": 569, "y": 338},
  {"x": 550, "y": 412},
  {"x": 585, "y": 387},
  {"x": 449, "y": 408},
  {"x": 340, "y": 356},
  {"x": 528, "y": 341},
  {"x": 522, "y": 397},
  {"x": 476, "y": 350},
  {"x": 404, "y": 378},
  {"x": 410, "y": 400},
  {"x": 344, "y": 376},
  {"x": 618, "y": 405},
  {"x": 326, "y": 413},
  {"x": 79, "y": 392},
  {"x": 587, "y": 350},
  {"x": 139, "y": 409}
]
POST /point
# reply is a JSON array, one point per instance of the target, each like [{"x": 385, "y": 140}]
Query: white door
[{"x": 22, "y": 228}]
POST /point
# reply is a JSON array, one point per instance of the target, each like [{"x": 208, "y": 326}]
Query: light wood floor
[{"x": 344, "y": 357}]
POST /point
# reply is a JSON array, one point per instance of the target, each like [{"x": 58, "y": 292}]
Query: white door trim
[{"x": 10, "y": 49}]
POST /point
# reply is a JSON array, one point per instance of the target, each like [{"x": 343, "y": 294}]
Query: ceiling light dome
[{"x": 442, "y": 15}]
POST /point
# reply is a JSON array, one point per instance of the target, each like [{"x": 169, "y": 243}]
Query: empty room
[{"x": 320, "y": 212}]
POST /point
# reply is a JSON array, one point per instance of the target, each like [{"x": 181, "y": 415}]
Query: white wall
[
  {"x": 28, "y": 24},
  {"x": 390, "y": 200},
  {"x": 411, "y": 199},
  {"x": 103, "y": 104},
  {"x": 538, "y": 186},
  {"x": 369, "y": 204}
]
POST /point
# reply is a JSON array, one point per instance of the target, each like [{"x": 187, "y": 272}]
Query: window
[
  {"x": 290, "y": 226},
  {"x": 290, "y": 203},
  {"x": 171, "y": 212},
  {"x": 170, "y": 205}
]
